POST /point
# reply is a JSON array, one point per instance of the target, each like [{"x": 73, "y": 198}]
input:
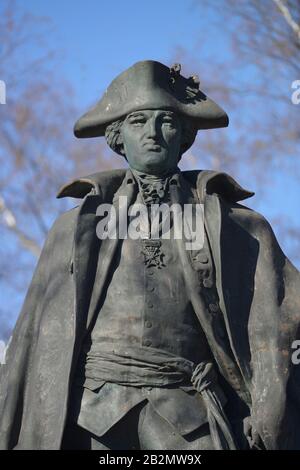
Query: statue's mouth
[{"x": 152, "y": 146}]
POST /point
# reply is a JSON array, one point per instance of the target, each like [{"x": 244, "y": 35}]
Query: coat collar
[{"x": 107, "y": 183}]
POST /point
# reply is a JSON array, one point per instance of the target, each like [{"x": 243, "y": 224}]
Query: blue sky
[{"x": 99, "y": 39}]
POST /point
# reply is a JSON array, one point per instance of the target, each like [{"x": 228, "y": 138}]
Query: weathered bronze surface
[{"x": 127, "y": 343}]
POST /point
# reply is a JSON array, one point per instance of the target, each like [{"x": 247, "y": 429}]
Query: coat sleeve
[
  {"x": 16, "y": 370},
  {"x": 273, "y": 327}
]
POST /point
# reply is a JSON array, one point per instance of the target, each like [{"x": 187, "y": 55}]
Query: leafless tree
[
  {"x": 38, "y": 152},
  {"x": 261, "y": 59}
]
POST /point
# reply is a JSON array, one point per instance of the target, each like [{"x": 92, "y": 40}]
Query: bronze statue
[{"x": 129, "y": 342}]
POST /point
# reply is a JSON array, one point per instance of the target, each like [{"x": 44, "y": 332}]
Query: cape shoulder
[
  {"x": 250, "y": 220},
  {"x": 64, "y": 222}
]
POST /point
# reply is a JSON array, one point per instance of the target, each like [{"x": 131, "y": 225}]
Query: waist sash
[{"x": 139, "y": 367}]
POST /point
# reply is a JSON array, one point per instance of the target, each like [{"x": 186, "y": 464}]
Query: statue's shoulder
[
  {"x": 250, "y": 220},
  {"x": 102, "y": 182},
  {"x": 222, "y": 184},
  {"x": 230, "y": 193},
  {"x": 64, "y": 224}
]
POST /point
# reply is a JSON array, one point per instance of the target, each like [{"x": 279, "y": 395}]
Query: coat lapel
[
  {"x": 86, "y": 250},
  {"x": 222, "y": 348},
  {"x": 107, "y": 249}
]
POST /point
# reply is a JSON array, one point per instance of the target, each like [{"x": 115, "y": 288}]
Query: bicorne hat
[{"x": 151, "y": 85}]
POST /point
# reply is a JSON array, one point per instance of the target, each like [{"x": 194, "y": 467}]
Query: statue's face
[{"x": 152, "y": 140}]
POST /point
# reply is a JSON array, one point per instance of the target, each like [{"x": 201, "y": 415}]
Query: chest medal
[{"x": 153, "y": 257}]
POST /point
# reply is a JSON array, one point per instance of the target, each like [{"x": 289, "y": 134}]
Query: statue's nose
[{"x": 152, "y": 128}]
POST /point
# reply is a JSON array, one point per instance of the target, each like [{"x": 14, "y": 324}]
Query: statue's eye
[{"x": 137, "y": 120}]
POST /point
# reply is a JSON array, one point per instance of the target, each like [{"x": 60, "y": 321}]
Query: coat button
[
  {"x": 150, "y": 304},
  {"x": 150, "y": 288},
  {"x": 148, "y": 324},
  {"x": 147, "y": 342},
  {"x": 208, "y": 283},
  {"x": 213, "y": 307}
]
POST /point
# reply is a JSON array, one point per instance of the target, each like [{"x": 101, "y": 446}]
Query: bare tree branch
[
  {"x": 10, "y": 222},
  {"x": 283, "y": 8}
]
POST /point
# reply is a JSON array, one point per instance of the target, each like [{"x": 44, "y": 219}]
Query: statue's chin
[{"x": 154, "y": 162}]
